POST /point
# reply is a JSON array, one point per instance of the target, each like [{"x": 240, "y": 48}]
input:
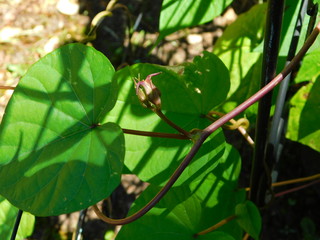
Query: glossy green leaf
[
  {"x": 236, "y": 49},
  {"x": 291, "y": 11},
  {"x": 8, "y": 214},
  {"x": 55, "y": 157},
  {"x": 248, "y": 217},
  {"x": 310, "y": 68},
  {"x": 288, "y": 33},
  {"x": 185, "y": 210},
  {"x": 178, "y": 14},
  {"x": 220, "y": 197},
  {"x": 303, "y": 123},
  {"x": 187, "y": 96},
  {"x": 304, "y": 116}
]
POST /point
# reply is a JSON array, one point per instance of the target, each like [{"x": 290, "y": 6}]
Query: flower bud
[{"x": 148, "y": 94}]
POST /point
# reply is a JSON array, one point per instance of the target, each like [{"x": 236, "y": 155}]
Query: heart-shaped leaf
[
  {"x": 55, "y": 156},
  {"x": 187, "y": 96}
]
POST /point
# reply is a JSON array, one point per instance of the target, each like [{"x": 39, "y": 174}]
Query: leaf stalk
[
  {"x": 172, "y": 124},
  {"x": 154, "y": 134}
]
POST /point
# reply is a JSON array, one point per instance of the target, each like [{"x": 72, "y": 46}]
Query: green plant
[{"x": 74, "y": 122}]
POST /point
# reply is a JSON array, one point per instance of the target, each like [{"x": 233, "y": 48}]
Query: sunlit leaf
[
  {"x": 185, "y": 210},
  {"x": 178, "y": 14},
  {"x": 186, "y": 99},
  {"x": 310, "y": 68},
  {"x": 8, "y": 214},
  {"x": 236, "y": 49},
  {"x": 304, "y": 115},
  {"x": 303, "y": 124},
  {"x": 55, "y": 157}
]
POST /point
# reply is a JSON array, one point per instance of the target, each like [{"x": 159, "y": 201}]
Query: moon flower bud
[{"x": 148, "y": 94}]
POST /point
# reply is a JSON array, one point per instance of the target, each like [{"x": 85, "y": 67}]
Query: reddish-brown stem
[
  {"x": 246, "y": 236},
  {"x": 154, "y": 134},
  {"x": 159, "y": 195},
  {"x": 297, "y": 180},
  {"x": 296, "y": 188},
  {"x": 209, "y": 130},
  {"x": 235, "y": 125},
  {"x": 292, "y": 181},
  {"x": 216, "y": 226}
]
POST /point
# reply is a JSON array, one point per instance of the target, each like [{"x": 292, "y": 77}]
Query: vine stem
[
  {"x": 297, "y": 180},
  {"x": 297, "y": 188},
  {"x": 216, "y": 226},
  {"x": 232, "y": 217},
  {"x": 235, "y": 125},
  {"x": 159, "y": 195},
  {"x": 154, "y": 134},
  {"x": 209, "y": 130},
  {"x": 246, "y": 236},
  {"x": 292, "y": 181}
]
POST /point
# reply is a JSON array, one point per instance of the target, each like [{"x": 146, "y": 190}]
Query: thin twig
[
  {"x": 297, "y": 180},
  {"x": 7, "y": 87},
  {"x": 292, "y": 181},
  {"x": 246, "y": 236},
  {"x": 296, "y": 188},
  {"x": 216, "y": 226}
]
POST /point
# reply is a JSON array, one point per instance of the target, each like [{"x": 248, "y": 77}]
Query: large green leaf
[
  {"x": 303, "y": 124},
  {"x": 290, "y": 15},
  {"x": 248, "y": 217},
  {"x": 8, "y": 214},
  {"x": 188, "y": 92},
  {"x": 236, "y": 49},
  {"x": 304, "y": 116},
  {"x": 309, "y": 70},
  {"x": 288, "y": 31},
  {"x": 55, "y": 157},
  {"x": 185, "y": 210},
  {"x": 178, "y": 14}
]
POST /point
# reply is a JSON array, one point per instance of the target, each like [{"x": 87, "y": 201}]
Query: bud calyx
[{"x": 148, "y": 94}]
